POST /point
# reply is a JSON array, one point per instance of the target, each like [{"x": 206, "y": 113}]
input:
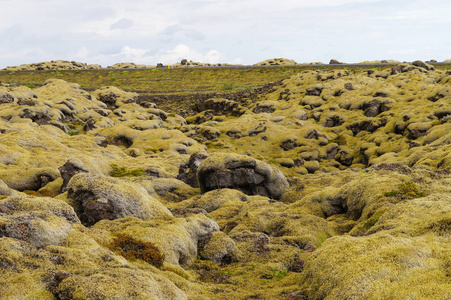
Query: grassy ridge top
[{"x": 183, "y": 80}]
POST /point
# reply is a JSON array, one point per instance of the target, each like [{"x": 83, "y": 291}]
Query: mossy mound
[
  {"x": 277, "y": 62},
  {"x": 382, "y": 61},
  {"x": 177, "y": 239},
  {"x": 54, "y": 65},
  {"x": 96, "y": 197},
  {"x": 129, "y": 65}
]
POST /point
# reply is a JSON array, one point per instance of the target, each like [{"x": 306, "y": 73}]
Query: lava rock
[
  {"x": 187, "y": 172},
  {"x": 69, "y": 169},
  {"x": 251, "y": 176}
]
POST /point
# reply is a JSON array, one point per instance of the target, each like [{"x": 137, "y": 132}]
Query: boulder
[
  {"x": 114, "y": 96},
  {"x": 244, "y": 173},
  {"x": 421, "y": 64},
  {"x": 28, "y": 178},
  {"x": 97, "y": 197},
  {"x": 335, "y": 62},
  {"x": 177, "y": 239},
  {"x": 314, "y": 90},
  {"x": 118, "y": 283},
  {"x": 213, "y": 200},
  {"x": 40, "y": 221},
  {"x": 276, "y": 62}
]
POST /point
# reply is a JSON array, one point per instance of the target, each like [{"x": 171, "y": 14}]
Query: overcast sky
[{"x": 234, "y": 31}]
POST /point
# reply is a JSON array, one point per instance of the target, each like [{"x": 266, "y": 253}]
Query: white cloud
[
  {"x": 122, "y": 24},
  {"x": 375, "y": 35},
  {"x": 130, "y": 54}
]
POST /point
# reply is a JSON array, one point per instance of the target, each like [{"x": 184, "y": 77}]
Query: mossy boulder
[
  {"x": 214, "y": 199},
  {"x": 53, "y": 65},
  {"x": 177, "y": 239},
  {"x": 79, "y": 268},
  {"x": 220, "y": 249},
  {"x": 117, "y": 284},
  {"x": 251, "y": 176},
  {"x": 96, "y": 197},
  {"x": 115, "y": 97},
  {"x": 276, "y": 62},
  {"x": 40, "y": 221}
]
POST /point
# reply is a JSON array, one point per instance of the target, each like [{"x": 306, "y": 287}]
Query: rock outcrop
[{"x": 243, "y": 173}]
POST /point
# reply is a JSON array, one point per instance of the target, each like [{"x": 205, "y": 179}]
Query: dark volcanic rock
[
  {"x": 6, "y": 98},
  {"x": 187, "y": 172},
  {"x": 314, "y": 90},
  {"x": 335, "y": 62},
  {"x": 375, "y": 107},
  {"x": 251, "y": 176},
  {"x": 423, "y": 65},
  {"x": 68, "y": 170}
]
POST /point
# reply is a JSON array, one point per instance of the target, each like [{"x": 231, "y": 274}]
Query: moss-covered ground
[
  {"x": 350, "y": 166},
  {"x": 175, "y": 80}
]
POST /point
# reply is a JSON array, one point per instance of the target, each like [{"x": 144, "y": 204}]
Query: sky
[{"x": 148, "y": 32}]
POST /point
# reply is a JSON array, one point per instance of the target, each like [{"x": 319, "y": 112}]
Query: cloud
[
  {"x": 180, "y": 34},
  {"x": 376, "y": 35},
  {"x": 131, "y": 54},
  {"x": 122, "y": 24},
  {"x": 183, "y": 51},
  {"x": 247, "y": 30}
]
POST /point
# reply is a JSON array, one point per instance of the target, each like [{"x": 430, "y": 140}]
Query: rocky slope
[{"x": 334, "y": 185}]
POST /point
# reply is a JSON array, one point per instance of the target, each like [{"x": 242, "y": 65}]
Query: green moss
[
  {"x": 274, "y": 274},
  {"x": 73, "y": 132},
  {"x": 132, "y": 249},
  {"x": 391, "y": 194},
  {"x": 123, "y": 172},
  {"x": 320, "y": 239},
  {"x": 74, "y": 128},
  {"x": 370, "y": 222},
  {"x": 406, "y": 190}
]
